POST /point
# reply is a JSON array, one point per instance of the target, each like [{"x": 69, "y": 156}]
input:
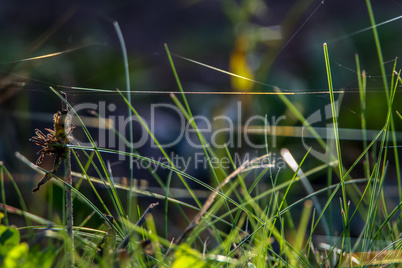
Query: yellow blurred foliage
[{"x": 239, "y": 66}]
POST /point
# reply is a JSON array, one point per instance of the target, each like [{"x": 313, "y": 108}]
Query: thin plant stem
[
  {"x": 336, "y": 134},
  {"x": 130, "y": 114},
  {"x": 69, "y": 208}
]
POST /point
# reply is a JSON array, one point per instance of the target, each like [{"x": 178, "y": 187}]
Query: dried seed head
[{"x": 54, "y": 142}]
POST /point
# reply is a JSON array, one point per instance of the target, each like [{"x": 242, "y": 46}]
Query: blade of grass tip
[
  {"x": 119, "y": 207},
  {"x": 334, "y": 111},
  {"x": 336, "y": 133},
  {"x": 20, "y": 198},
  {"x": 125, "y": 57}
]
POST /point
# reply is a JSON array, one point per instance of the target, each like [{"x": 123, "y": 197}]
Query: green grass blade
[
  {"x": 19, "y": 197},
  {"x": 336, "y": 133},
  {"x": 127, "y": 74}
]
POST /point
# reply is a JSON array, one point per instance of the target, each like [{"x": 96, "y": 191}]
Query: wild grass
[{"x": 236, "y": 224}]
